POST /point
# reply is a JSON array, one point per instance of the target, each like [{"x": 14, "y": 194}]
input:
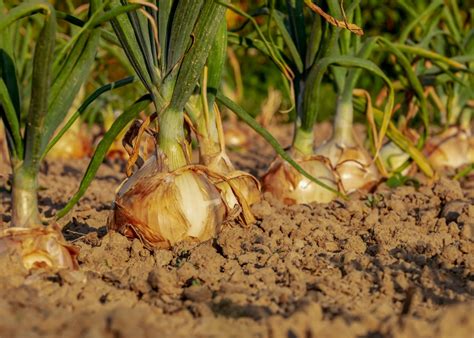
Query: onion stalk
[{"x": 240, "y": 189}]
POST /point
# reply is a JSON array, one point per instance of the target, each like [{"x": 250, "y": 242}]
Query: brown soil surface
[{"x": 394, "y": 263}]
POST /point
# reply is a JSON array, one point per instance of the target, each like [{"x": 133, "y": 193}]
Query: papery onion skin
[
  {"x": 290, "y": 187},
  {"x": 353, "y": 165},
  {"x": 453, "y": 148},
  {"x": 246, "y": 183},
  {"x": 238, "y": 188},
  {"x": 40, "y": 247},
  {"x": 165, "y": 208},
  {"x": 248, "y": 186}
]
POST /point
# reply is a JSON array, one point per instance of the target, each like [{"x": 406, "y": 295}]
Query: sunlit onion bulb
[
  {"x": 164, "y": 208},
  {"x": 76, "y": 142},
  {"x": 73, "y": 144},
  {"x": 352, "y": 163},
  {"x": 235, "y": 137},
  {"x": 289, "y": 186},
  {"x": 42, "y": 247},
  {"x": 453, "y": 148}
]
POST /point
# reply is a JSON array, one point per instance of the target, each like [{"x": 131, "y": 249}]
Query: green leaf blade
[{"x": 119, "y": 124}]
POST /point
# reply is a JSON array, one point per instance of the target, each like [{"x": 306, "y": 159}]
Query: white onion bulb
[{"x": 165, "y": 208}]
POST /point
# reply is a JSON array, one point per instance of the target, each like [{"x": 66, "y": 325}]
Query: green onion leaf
[{"x": 119, "y": 124}]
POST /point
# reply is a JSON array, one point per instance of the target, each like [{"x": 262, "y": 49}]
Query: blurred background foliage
[
  {"x": 250, "y": 77},
  {"x": 440, "y": 27}
]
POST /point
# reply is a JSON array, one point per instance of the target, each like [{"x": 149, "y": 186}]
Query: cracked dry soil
[{"x": 396, "y": 263}]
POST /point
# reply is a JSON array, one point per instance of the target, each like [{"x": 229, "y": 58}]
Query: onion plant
[
  {"x": 240, "y": 189},
  {"x": 32, "y": 112},
  {"x": 434, "y": 51},
  {"x": 452, "y": 94},
  {"x": 335, "y": 44},
  {"x": 168, "y": 199},
  {"x": 353, "y": 164},
  {"x": 57, "y": 76}
]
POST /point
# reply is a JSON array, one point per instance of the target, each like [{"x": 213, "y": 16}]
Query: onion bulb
[
  {"x": 74, "y": 144},
  {"x": 453, "y": 148},
  {"x": 236, "y": 137},
  {"x": 163, "y": 208},
  {"x": 290, "y": 187},
  {"x": 352, "y": 163},
  {"x": 393, "y": 157},
  {"x": 41, "y": 247}
]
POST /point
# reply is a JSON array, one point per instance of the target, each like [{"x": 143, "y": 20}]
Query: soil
[{"x": 392, "y": 263}]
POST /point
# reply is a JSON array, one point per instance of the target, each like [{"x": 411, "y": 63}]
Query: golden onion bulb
[
  {"x": 74, "y": 144},
  {"x": 235, "y": 137},
  {"x": 164, "y": 208},
  {"x": 353, "y": 165},
  {"x": 41, "y": 247},
  {"x": 290, "y": 187},
  {"x": 453, "y": 148}
]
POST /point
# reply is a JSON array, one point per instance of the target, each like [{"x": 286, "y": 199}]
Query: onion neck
[
  {"x": 171, "y": 139},
  {"x": 303, "y": 142},
  {"x": 208, "y": 135},
  {"x": 343, "y": 121},
  {"x": 454, "y": 110},
  {"x": 25, "y": 198},
  {"x": 465, "y": 120}
]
